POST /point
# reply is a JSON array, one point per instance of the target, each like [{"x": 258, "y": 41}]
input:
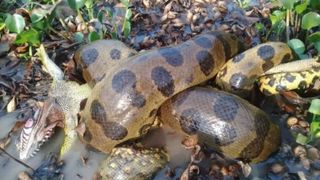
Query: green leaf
[
  {"x": 125, "y": 3},
  {"x": 314, "y": 37},
  {"x": 15, "y": 23},
  {"x": 38, "y": 21},
  {"x": 2, "y": 26},
  {"x": 310, "y": 20},
  {"x": 315, "y": 107},
  {"x": 301, "y": 139},
  {"x": 93, "y": 36},
  {"x": 315, "y": 128},
  {"x": 31, "y": 36},
  {"x": 317, "y": 46},
  {"x": 315, "y": 4},
  {"x": 260, "y": 27},
  {"x": 277, "y": 16},
  {"x": 78, "y": 37},
  {"x": 297, "y": 45},
  {"x": 76, "y": 4},
  {"x": 126, "y": 28},
  {"x": 288, "y": 4},
  {"x": 128, "y": 14},
  {"x": 301, "y": 7}
]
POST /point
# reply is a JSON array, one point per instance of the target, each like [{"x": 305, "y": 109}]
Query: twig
[
  {"x": 17, "y": 160},
  {"x": 287, "y": 24}
]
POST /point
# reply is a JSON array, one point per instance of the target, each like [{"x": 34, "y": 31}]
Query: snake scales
[{"x": 125, "y": 99}]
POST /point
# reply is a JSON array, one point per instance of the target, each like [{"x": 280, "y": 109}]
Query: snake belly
[
  {"x": 124, "y": 103},
  {"x": 224, "y": 122}
]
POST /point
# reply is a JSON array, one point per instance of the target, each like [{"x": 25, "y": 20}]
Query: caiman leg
[{"x": 68, "y": 95}]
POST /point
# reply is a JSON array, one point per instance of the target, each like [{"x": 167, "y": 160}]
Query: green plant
[{"x": 300, "y": 19}]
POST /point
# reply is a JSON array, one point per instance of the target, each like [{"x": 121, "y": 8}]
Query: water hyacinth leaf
[
  {"x": 315, "y": 4},
  {"x": 315, "y": 128},
  {"x": 301, "y": 7},
  {"x": 277, "y": 16},
  {"x": 315, "y": 107},
  {"x": 93, "y": 36},
  {"x": 301, "y": 139},
  {"x": 128, "y": 14},
  {"x": 76, "y": 4},
  {"x": 2, "y": 26},
  {"x": 315, "y": 39},
  {"x": 78, "y": 37},
  {"x": 30, "y": 36},
  {"x": 297, "y": 45},
  {"x": 288, "y": 4},
  {"x": 125, "y": 3},
  {"x": 310, "y": 20},
  {"x": 126, "y": 28},
  {"x": 15, "y": 23},
  {"x": 38, "y": 21}
]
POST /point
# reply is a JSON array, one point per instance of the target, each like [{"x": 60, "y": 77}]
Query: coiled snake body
[{"x": 125, "y": 102}]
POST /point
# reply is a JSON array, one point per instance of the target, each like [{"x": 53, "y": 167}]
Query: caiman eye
[{"x": 29, "y": 123}]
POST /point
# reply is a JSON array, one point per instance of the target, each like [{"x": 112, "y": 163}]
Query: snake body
[
  {"x": 223, "y": 121},
  {"x": 124, "y": 103},
  {"x": 297, "y": 75},
  {"x": 239, "y": 74}
]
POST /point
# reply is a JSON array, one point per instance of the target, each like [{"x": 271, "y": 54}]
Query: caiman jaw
[{"x": 39, "y": 128}]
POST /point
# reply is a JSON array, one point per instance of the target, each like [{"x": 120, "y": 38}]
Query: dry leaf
[{"x": 11, "y": 105}]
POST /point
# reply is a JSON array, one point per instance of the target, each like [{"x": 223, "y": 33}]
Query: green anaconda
[{"x": 129, "y": 90}]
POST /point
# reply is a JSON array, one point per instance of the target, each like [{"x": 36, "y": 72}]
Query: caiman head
[{"x": 39, "y": 128}]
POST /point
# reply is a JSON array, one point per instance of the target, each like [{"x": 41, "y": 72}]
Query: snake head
[{"x": 39, "y": 128}]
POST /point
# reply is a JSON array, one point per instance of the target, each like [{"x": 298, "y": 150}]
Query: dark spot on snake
[
  {"x": 221, "y": 139},
  {"x": 83, "y": 103},
  {"x": 163, "y": 80},
  {"x": 255, "y": 147},
  {"x": 310, "y": 72},
  {"x": 98, "y": 114},
  {"x": 153, "y": 112},
  {"x": 172, "y": 56},
  {"x": 289, "y": 77},
  {"x": 206, "y": 62},
  {"x": 137, "y": 99},
  {"x": 114, "y": 130},
  {"x": 87, "y": 136},
  {"x": 281, "y": 88},
  {"x": 189, "y": 120},
  {"x": 302, "y": 74},
  {"x": 225, "y": 108},
  {"x": 89, "y": 56},
  {"x": 145, "y": 128},
  {"x": 223, "y": 72},
  {"x": 181, "y": 97},
  {"x": 115, "y": 54},
  {"x": 266, "y": 92},
  {"x": 316, "y": 68},
  {"x": 272, "y": 81},
  {"x": 315, "y": 79},
  {"x": 286, "y": 58},
  {"x": 266, "y": 52},
  {"x": 237, "y": 81},
  {"x": 98, "y": 79},
  {"x": 123, "y": 79},
  {"x": 303, "y": 85},
  {"x": 267, "y": 65},
  {"x": 131, "y": 54},
  {"x": 225, "y": 44},
  {"x": 203, "y": 42},
  {"x": 238, "y": 58}
]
